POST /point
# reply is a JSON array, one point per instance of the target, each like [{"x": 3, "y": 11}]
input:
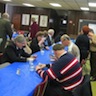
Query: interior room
[{"x": 64, "y": 16}]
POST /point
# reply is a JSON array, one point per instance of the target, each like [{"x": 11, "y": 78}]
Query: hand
[
  {"x": 83, "y": 62},
  {"x": 47, "y": 48},
  {"x": 37, "y": 67},
  {"x": 42, "y": 65},
  {"x": 41, "y": 42},
  {"x": 53, "y": 57},
  {"x": 34, "y": 56},
  {"x": 30, "y": 59},
  {"x": 43, "y": 39}
]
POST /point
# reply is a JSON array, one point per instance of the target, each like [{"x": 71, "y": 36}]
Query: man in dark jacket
[
  {"x": 5, "y": 29},
  {"x": 14, "y": 51}
]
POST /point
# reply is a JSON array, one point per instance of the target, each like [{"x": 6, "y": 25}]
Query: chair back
[
  {"x": 1, "y": 54},
  {"x": 40, "y": 89},
  {"x": 1, "y": 40}
]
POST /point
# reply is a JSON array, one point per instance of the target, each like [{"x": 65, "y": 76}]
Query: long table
[{"x": 23, "y": 84}]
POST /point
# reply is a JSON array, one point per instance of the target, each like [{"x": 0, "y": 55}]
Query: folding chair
[
  {"x": 4, "y": 64},
  {"x": 40, "y": 89},
  {"x": 1, "y": 40},
  {"x": 1, "y": 54}
]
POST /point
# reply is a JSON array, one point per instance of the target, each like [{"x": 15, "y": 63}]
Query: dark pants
[
  {"x": 56, "y": 90},
  {"x": 2, "y": 45},
  {"x": 93, "y": 63},
  {"x": 84, "y": 89},
  {"x": 83, "y": 54}
]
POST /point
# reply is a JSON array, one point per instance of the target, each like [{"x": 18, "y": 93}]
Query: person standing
[
  {"x": 72, "y": 47},
  {"x": 83, "y": 43},
  {"x": 34, "y": 28},
  {"x": 5, "y": 29},
  {"x": 92, "y": 37}
]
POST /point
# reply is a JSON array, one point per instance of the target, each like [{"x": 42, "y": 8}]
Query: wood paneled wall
[
  {"x": 2, "y": 7},
  {"x": 17, "y": 10},
  {"x": 73, "y": 17},
  {"x": 73, "y": 20}
]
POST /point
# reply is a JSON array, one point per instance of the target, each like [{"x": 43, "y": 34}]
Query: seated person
[
  {"x": 45, "y": 36},
  {"x": 57, "y": 38},
  {"x": 15, "y": 34},
  {"x": 72, "y": 48},
  {"x": 14, "y": 52},
  {"x": 50, "y": 39},
  {"x": 38, "y": 42},
  {"x": 64, "y": 75}
]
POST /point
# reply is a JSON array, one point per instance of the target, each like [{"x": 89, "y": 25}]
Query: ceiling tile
[{"x": 66, "y": 4}]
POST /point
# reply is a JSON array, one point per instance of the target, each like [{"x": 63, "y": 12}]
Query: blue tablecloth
[{"x": 24, "y": 84}]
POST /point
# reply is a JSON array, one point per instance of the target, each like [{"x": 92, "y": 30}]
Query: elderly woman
[{"x": 38, "y": 42}]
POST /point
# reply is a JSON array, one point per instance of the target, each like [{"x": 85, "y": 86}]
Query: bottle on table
[{"x": 31, "y": 66}]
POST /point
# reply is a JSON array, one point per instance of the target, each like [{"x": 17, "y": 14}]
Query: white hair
[
  {"x": 51, "y": 31},
  {"x": 20, "y": 39},
  {"x": 5, "y": 15},
  {"x": 65, "y": 37}
]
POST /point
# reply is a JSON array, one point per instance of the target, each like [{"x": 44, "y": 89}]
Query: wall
[
  {"x": 73, "y": 19},
  {"x": 2, "y": 7},
  {"x": 17, "y": 10},
  {"x": 55, "y": 25}
]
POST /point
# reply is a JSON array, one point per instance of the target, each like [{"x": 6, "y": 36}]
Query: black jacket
[
  {"x": 83, "y": 43},
  {"x": 49, "y": 41},
  {"x": 14, "y": 54},
  {"x": 34, "y": 45}
]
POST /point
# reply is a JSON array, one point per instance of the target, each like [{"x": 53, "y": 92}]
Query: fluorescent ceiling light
[
  {"x": 84, "y": 8},
  {"x": 92, "y": 4},
  {"x": 29, "y": 5},
  {"x": 55, "y": 4},
  {"x": 7, "y": 0}
]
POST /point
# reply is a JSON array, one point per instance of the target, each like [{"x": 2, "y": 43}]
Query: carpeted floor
[
  {"x": 93, "y": 85},
  {"x": 86, "y": 70}
]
